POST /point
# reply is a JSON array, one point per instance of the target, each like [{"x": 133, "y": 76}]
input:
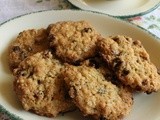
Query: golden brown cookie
[
  {"x": 130, "y": 62},
  {"x": 73, "y": 41},
  {"x": 100, "y": 65},
  {"x": 95, "y": 96},
  {"x": 39, "y": 86},
  {"x": 27, "y": 43}
]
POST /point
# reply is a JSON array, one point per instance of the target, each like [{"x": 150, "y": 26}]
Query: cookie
[
  {"x": 130, "y": 62},
  {"x": 101, "y": 66},
  {"x": 73, "y": 41},
  {"x": 39, "y": 86},
  {"x": 94, "y": 95},
  {"x": 27, "y": 43}
]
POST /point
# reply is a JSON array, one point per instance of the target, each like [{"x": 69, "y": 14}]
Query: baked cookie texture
[
  {"x": 39, "y": 86},
  {"x": 70, "y": 65},
  {"x": 73, "y": 41},
  {"x": 27, "y": 43},
  {"x": 101, "y": 66},
  {"x": 94, "y": 95},
  {"x": 130, "y": 62}
]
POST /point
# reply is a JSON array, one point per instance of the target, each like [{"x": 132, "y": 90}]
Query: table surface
[{"x": 12, "y": 8}]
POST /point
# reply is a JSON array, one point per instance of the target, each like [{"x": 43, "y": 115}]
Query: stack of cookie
[{"x": 71, "y": 66}]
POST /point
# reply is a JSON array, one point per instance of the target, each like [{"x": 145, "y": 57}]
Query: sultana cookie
[
  {"x": 73, "y": 41},
  {"x": 101, "y": 66},
  {"x": 39, "y": 86},
  {"x": 27, "y": 43},
  {"x": 130, "y": 62},
  {"x": 95, "y": 96}
]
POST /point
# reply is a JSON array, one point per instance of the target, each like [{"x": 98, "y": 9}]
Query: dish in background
[{"x": 119, "y": 8}]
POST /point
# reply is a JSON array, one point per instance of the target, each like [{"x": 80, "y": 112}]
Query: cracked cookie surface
[
  {"x": 27, "y": 43},
  {"x": 39, "y": 86},
  {"x": 73, "y": 41},
  {"x": 131, "y": 63},
  {"x": 94, "y": 95},
  {"x": 101, "y": 66}
]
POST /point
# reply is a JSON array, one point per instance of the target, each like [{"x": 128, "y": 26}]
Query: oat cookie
[
  {"x": 27, "y": 43},
  {"x": 39, "y": 86},
  {"x": 130, "y": 62},
  {"x": 73, "y": 41},
  {"x": 103, "y": 68},
  {"x": 95, "y": 96}
]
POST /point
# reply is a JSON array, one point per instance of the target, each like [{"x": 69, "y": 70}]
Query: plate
[
  {"x": 121, "y": 8},
  {"x": 146, "y": 107}
]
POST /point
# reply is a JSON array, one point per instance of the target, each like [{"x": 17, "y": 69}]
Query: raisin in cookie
[
  {"x": 73, "y": 41},
  {"x": 101, "y": 66},
  {"x": 95, "y": 96},
  {"x": 130, "y": 62},
  {"x": 27, "y": 43},
  {"x": 39, "y": 86}
]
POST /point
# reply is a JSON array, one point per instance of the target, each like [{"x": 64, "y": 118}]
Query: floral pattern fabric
[
  {"x": 150, "y": 21},
  {"x": 13, "y": 8}
]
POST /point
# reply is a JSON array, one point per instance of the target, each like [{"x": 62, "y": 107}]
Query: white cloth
[{"x": 13, "y": 8}]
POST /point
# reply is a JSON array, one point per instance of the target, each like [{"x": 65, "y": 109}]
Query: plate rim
[
  {"x": 89, "y": 11},
  {"x": 13, "y": 116},
  {"x": 119, "y": 16},
  {"x": 8, "y": 113}
]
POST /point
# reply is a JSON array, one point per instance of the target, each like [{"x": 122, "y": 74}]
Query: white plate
[
  {"x": 121, "y": 8},
  {"x": 146, "y": 107}
]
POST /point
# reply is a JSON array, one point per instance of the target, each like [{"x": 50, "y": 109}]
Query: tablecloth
[{"x": 12, "y": 8}]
